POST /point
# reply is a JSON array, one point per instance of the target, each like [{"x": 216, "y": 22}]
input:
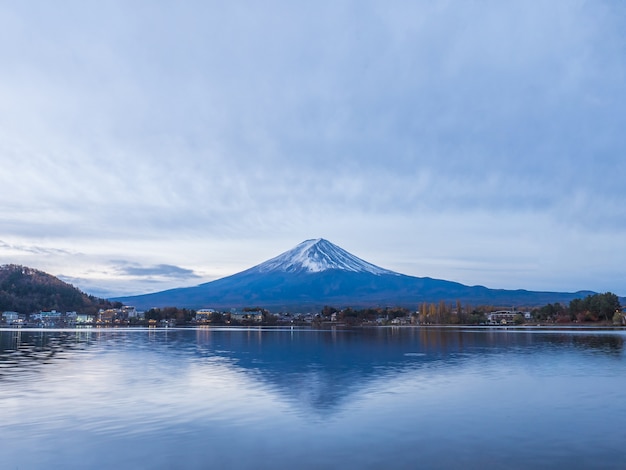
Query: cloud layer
[{"x": 474, "y": 141}]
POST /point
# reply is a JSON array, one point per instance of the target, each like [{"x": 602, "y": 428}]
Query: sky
[{"x": 153, "y": 144}]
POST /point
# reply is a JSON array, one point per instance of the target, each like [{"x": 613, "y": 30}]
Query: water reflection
[
  {"x": 317, "y": 370},
  {"x": 379, "y": 398}
]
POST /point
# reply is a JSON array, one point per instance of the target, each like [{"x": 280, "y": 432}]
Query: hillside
[{"x": 27, "y": 290}]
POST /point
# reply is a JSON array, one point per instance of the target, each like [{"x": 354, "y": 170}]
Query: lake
[{"x": 298, "y": 398}]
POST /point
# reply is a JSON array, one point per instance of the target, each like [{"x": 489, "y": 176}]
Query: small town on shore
[{"x": 597, "y": 309}]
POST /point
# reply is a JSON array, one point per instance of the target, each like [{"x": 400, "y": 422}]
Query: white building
[
  {"x": 506, "y": 316},
  {"x": 204, "y": 314},
  {"x": 84, "y": 319},
  {"x": 11, "y": 318},
  {"x": 129, "y": 312}
]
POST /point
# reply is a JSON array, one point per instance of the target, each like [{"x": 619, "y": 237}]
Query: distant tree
[
  {"x": 268, "y": 318},
  {"x": 391, "y": 312},
  {"x": 423, "y": 315},
  {"x": 458, "y": 316},
  {"x": 216, "y": 317},
  {"x": 553, "y": 312},
  {"x": 596, "y": 306},
  {"x": 432, "y": 313},
  {"x": 442, "y": 312},
  {"x": 477, "y": 317},
  {"x": 180, "y": 315},
  {"x": 327, "y": 311}
]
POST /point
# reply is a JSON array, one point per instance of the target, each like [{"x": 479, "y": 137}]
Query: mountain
[
  {"x": 317, "y": 273},
  {"x": 27, "y": 290}
]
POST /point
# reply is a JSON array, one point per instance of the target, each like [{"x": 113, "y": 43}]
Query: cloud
[
  {"x": 160, "y": 271},
  {"x": 461, "y": 92},
  {"x": 138, "y": 124},
  {"x": 120, "y": 277},
  {"x": 32, "y": 249}
]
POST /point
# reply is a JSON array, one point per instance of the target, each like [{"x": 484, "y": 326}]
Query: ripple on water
[{"x": 314, "y": 399}]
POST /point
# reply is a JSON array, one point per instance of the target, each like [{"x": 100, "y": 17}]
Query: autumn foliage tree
[{"x": 595, "y": 307}]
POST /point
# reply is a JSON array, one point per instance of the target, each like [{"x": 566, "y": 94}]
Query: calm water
[{"x": 381, "y": 398}]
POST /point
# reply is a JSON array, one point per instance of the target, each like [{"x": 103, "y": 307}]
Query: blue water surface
[{"x": 299, "y": 398}]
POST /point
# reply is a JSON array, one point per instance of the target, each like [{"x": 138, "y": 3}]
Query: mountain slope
[
  {"x": 27, "y": 290},
  {"x": 317, "y": 273}
]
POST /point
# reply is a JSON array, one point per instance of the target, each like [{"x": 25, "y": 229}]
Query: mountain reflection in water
[{"x": 363, "y": 397}]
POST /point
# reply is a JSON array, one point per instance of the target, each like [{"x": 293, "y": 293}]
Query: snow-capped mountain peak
[{"x": 318, "y": 255}]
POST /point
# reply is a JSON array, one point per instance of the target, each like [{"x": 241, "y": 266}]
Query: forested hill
[{"x": 27, "y": 290}]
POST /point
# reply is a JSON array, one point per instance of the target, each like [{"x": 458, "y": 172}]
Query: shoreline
[{"x": 544, "y": 327}]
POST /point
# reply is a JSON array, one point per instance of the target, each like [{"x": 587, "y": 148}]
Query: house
[
  {"x": 253, "y": 316},
  {"x": 204, "y": 314},
  {"x": 84, "y": 319},
  {"x": 11, "y": 318},
  {"x": 108, "y": 315},
  {"x": 51, "y": 318},
  {"x": 129, "y": 312},
  {"x": 504, "y": 317},
  {"x": 70, "y": 318}
]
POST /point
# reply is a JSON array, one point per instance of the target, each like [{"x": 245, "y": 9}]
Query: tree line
[{"x": 593, "y": 308}]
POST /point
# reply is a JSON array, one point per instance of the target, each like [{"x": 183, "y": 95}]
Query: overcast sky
[{"x": 154, "y": 144}]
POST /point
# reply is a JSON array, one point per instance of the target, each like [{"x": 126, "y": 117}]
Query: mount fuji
[{"x": 317, "y": 273}]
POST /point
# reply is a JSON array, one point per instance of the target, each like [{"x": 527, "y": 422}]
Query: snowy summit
[{"x": 318, "y": 255}]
